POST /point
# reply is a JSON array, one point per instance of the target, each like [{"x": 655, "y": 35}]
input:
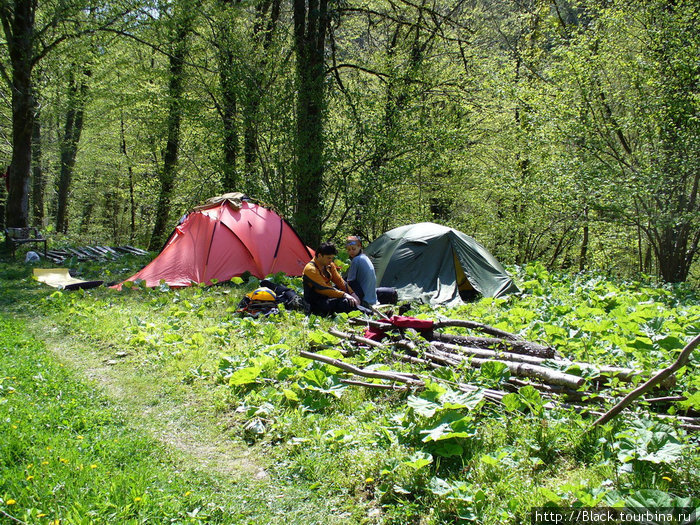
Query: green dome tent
[{"x": 434, "y": 264}]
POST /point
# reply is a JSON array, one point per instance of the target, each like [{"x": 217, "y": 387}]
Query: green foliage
[
  {"x": 390, "y": 455},
  {"x": 560, "y": 133}
]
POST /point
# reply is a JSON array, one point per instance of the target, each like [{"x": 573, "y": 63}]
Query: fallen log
[
  {"x": 492, "y": 343},
  {"x": 568, "y": 393},
  {"x": 542, "y": 373},
  {"x": 487, "y": 354}
]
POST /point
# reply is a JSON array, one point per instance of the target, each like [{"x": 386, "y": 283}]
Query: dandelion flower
[
  {"x": 93, "y": 466},
  {"x": 137, "y": 499},
  {"x": 29, "y": 478},
  {"x": 10, "y": 501},
  {"x": 41, "y": 515},
  {"x": 188, "y": 493},
  {"x": 63, "y": 460},
  {"x": 14, "y": 427},
  {"x": 369, "y": 480},
  {"x": 79, "y": 437},
  {"x": 44, "y": 462}
]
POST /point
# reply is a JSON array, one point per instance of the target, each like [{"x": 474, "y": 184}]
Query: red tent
[{"x": 224, "y": 238}]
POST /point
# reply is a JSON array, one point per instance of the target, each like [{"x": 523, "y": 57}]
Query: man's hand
[{"x": 353, "y": 299}]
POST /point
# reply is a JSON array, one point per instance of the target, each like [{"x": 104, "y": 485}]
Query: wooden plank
[
  {"x": 137, "y": 251},
  {"x": 99, "y": 249},
  {"x": 94, "y": 254},
  {"x": 110, "y": 250},
  {"x": 85, "y": 253}
]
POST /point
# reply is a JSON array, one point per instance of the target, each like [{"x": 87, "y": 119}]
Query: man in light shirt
[{"x": 361, "y": 276}]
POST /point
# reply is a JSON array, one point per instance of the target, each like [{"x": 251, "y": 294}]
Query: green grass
[
  {"x": 226, "y": 410},
  {"x": 69, "y": 453}
]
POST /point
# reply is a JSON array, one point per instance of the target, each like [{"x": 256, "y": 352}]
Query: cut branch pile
[
  {"x": 93, "y": 253},
  {"x": 529, "y": 364}
]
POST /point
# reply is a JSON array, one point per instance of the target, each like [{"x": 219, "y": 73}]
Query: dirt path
[{"x": 166, "y": 410}]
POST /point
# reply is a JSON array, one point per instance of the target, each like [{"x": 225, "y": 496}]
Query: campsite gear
[
  {"x": 262, "y": 294},
  {"x": 288, "y": 297},
  {"x": 224, "y": 238},
  {"x": 377, "y": 332},
  {"x": 436, "y": 264},
  {"x": 60, "y": 278},
  {"x": 387, "y": 295},
  {"x": 31, "y": 257},
  {"x": 266, "y": 299}
]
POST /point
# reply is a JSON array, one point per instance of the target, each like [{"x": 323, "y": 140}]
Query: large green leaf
[
  {"x": 448, "y": 449},
  {"x": 422, "y": 407},
  {"x": 419, "y": 460},
  {"x": 244, "y": 376},
  {"x": 495, "y": 370},
  {"x": 649, "y": 441},
  {"x": 462, "y": 400}
]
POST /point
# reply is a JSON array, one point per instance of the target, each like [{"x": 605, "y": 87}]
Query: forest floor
[
  {"x": 167, "y": 406},
  {"x": 189, "y": 441},
  {"x": 158, "y": 406}
]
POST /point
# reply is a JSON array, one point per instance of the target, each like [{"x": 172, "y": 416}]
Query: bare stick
[
  {"x": 12, "y": 517},
  {"x": 391, "y": 376},
  {"x": 356, "y": 338},
  {"x": 658, "y": 378},
  {"x": 478, "y": 326},
  {"x": 667, "y": 399},
  {"x": 373, "y": 385}
]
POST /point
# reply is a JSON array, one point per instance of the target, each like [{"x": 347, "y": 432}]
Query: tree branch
[{"x": 658, "y": 378}]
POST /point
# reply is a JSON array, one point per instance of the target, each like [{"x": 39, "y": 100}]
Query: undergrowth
[{"x": 435, "y": 456}]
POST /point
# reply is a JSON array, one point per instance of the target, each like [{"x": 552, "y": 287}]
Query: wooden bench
[{"x": 16, "y": 236}]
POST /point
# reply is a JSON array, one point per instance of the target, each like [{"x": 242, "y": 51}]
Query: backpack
[
  {"x": 265, "y": 300},
  {"x": 260, "y": 301}
]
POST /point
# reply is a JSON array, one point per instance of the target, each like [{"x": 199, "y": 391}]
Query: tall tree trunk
[
  {"x": 229, "y": 112},
  {"x": 170, "y": 156},
  {"x": 310, "y": 25},
  {"x": 583, "y": 255},
  {"x": 69, "y": 147},
  {"x": 267, "y": 16},
  {"x": 37, "y": 172},
  {"x": 19, "y": 32},
  {"x": 132, "y": 203}
]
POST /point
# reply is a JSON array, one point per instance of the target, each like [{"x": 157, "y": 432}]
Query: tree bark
[
  {"x": 19, "y": 32},
  {"x": 69, "y": 147},
  {"x": 229, "y": 110},
  {"x": 310, "y": 25},
  {"x": 174, "y": 119},
  {"x": 38, "y": 183},
  {"x": 132, "y": 203}
]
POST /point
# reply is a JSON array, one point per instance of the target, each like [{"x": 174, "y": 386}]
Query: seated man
[
  {"x": 324, "y": 288},
  {"x": 361, "y": 274}
]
